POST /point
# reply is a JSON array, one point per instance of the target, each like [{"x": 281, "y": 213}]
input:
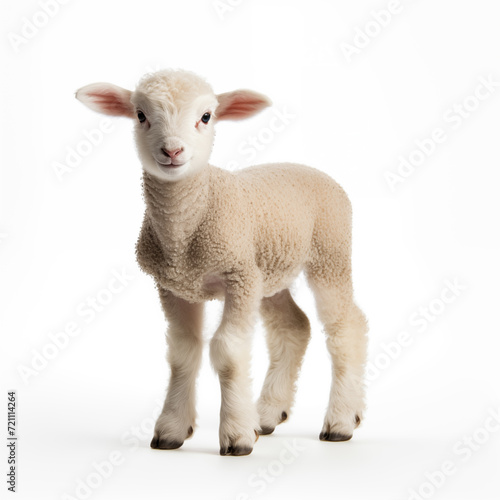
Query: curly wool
[{"x": 279, "y": 219}]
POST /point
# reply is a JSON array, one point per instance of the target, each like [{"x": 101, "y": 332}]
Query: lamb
[{"x": 242, "y": 237}]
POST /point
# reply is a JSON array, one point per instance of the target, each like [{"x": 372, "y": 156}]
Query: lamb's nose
[{"x": 172, "y": 153}]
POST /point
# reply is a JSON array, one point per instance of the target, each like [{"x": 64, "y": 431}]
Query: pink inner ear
[
  {"x": 110, "y": 103},
  {"x": 238, "y": 105}
]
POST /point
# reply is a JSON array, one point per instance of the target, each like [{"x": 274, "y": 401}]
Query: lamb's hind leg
[
  {"x": 345, "y": 327},
  {"x": 288, "y": 332},
  {"x": 184, "y": 337}
]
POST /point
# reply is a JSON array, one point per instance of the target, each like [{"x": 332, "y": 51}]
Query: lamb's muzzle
[{"x": 242, "y": 237}]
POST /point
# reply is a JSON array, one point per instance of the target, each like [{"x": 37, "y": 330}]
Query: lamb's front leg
[
  {"x": 184, "y": 338},
  {"x": 230, "y": 351}
]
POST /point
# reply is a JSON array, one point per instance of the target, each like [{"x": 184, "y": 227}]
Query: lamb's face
[
  {"x": 174, "y": 129},
  {"x": 174, "y": 114}
]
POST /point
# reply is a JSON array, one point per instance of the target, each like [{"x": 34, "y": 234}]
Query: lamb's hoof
[
  {"x": 165, "y": 443},
  {"x": 266, "y": 430},
  {"x": 334, "y": 436},
  {"x": 236, "y": 451},
  {"x": 162, "y": 443}
]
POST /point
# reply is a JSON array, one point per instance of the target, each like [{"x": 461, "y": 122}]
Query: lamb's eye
[
  {"x": 141, "y": 116},
  {"x": 206, "y": 117}
]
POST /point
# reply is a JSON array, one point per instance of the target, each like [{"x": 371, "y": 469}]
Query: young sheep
[{"x": 242, "y": 237}]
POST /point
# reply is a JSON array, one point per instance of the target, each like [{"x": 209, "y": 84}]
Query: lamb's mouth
[{"x": 171, "y": 166}]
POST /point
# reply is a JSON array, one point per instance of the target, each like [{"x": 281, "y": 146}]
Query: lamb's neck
[{"x": 176, "y": 209}]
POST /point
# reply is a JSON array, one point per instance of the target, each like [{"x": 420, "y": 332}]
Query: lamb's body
[
  {"x": 242, "y": 237},
  {"x": 271, "y": 220}
]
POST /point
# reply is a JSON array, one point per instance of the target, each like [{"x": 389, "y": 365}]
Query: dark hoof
[
  {"x": 236, "y": 451},
  {"x": 165, "y": 444},
  {"x": 265, "y": 431},
  {"x": 334, "y": 436}
]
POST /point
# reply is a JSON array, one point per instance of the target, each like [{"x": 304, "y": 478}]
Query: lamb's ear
[
  {"x": 240, "y": 104},
  {"x": 106, "y": 98}
]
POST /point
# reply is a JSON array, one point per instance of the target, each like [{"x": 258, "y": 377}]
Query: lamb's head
[{"x": 174, "y": 112}]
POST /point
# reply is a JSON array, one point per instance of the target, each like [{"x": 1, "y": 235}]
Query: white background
[{"x": 62, "y": 238}]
